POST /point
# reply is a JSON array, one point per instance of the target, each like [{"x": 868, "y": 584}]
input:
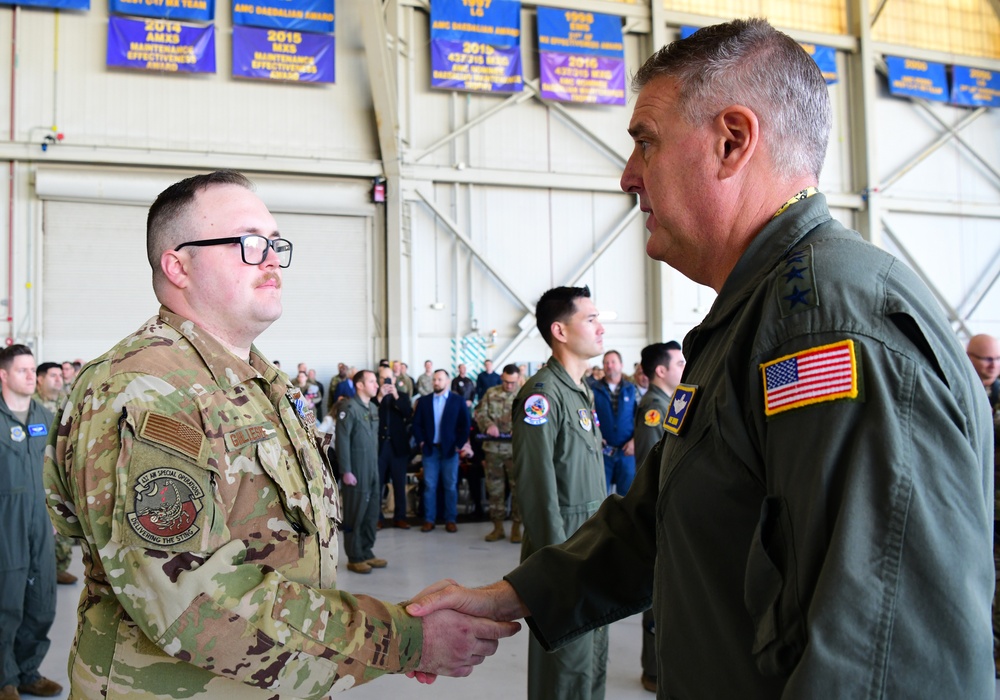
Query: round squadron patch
[
  {"x": 652, "y": 418},
  {"x": 167, "y": 502},
  {"x": 536, "y": 408},
  {"x": 585, "y": 422}
]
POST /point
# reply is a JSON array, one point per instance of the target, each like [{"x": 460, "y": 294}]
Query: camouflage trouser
[
  {"x": 64, "y": 552},
  {"x": 497, "y": 466}
]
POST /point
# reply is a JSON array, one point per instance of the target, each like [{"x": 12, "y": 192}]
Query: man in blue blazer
[{"x": 441, "y": 428}]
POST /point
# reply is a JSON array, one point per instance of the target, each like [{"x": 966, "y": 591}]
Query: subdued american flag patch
[{"x": 812, "y": 376}]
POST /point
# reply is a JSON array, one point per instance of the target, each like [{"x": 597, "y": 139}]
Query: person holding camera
[{"x": 394, "y": 412}]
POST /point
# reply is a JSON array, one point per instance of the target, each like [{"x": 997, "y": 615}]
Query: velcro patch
[
  {"x": 796, "y": 288},
  {"x": 652, "y": 418},
  {"x": 824, "y": 373},
  {"x": 680, "y": 408},
  {"x": 241, "y": 437},
  {"x": 166, "y": 506},
  {"x": 536, "y": 408},
  {"x": 171, "y": 433}
]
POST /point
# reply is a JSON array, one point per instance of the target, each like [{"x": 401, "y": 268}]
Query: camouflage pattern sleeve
[
  {"x": 211, "y": 543},
  {"x": 481, "y": 414}
]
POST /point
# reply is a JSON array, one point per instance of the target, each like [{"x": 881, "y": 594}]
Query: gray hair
[{"x": 749, "y": 62}]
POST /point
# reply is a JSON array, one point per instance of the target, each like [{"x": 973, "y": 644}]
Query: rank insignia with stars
[
  {"x": 680, "y": 408},
  {"x": 796, "y": 283}
]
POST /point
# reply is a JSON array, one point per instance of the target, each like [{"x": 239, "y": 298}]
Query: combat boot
[
  {"x": 515, "y": 533},
  {"x": 498, "y": 533}
]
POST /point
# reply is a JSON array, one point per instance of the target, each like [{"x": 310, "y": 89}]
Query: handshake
[{"x": 462, "y": 626}]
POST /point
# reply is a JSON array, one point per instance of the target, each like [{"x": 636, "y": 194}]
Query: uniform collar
[
  {"x": 657, "y": 391},
  {"x": 226, "y": 368},
  {"x": 778, "y": 237},
  {"x": 33, "y": 407},
  {"x": 560, "y": 373}
]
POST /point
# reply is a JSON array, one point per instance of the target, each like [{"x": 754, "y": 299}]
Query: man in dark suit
[
  {"x": 394, "y": 413},
  {"x": 486, "y": 380},
  {"x": 441, "y": 428}
]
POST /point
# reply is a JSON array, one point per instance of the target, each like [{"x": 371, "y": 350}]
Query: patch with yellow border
[
  {"x": 816, "y": 375},
  {"x": 652, "y": 418},
  {"x": 680, "y": 408}
]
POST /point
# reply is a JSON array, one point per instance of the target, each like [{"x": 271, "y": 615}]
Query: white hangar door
[{"x": 96, "y": 285}]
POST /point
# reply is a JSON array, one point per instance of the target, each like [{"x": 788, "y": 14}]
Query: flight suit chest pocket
[{"x": 168, "y": 501}]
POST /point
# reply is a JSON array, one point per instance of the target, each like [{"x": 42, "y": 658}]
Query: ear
[
  {"x": 558, "y": 331},
  {"x": 175, "y": 265},
  {"x": 661, "y": 371},
  {"x": 738, "y": 133}
]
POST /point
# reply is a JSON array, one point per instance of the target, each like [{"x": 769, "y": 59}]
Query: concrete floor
[{"x": 417, "y": 559}]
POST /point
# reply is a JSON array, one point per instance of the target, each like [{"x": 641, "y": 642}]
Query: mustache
[{"x": 267, "y": 277}]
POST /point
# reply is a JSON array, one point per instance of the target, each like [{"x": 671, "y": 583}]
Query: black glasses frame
[{"x": 272, "y": 244}]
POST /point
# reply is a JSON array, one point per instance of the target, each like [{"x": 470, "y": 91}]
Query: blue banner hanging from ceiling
[
  {"x": 279, "y": 54},
  {"x": 186, "y": 10},
  {"x": 975, "y": 87},
  {"x": 51, "y": 4},
  {"x": 303, "y": 15},
  {"x": 476, "y": 45},
  {"x": 160, "y": 45},
  {"x": 582, "y": 56},
  {"x": 910, "y": 77}
]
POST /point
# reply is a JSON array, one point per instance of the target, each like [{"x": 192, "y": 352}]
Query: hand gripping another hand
[{"x": 462, "y": 626}]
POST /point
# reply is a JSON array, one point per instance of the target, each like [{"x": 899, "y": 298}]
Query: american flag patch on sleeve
[{"x": 815, "y": 375}]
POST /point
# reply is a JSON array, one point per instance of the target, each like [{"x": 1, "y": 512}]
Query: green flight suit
[
  {"x": 27, "y": 554},
  {"x": 649, "y": 416},
  {"x": 560, "y": 475},
  {"x": 357, "y": 454},
  {"x": 838, "y": 549}
]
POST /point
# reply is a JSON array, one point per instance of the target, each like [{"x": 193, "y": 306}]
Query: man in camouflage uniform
[
  {"x": 984, "y": 353},
  {"x": 48, "y": 392},
  {"x": 190, "y": 466},
  {"x": 357, "y": 453},
  {"x": 493, "y": 416},
  {"x": 48, "y": 387}
]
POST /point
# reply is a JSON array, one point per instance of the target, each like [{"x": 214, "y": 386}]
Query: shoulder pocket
[{"x": 169, "y": 499}]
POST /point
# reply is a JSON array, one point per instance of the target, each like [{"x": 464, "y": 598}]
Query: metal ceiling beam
[
  {"x": 531, "y": 90},
  {"x": 526, "y": 324},
  {"x": 517, "y": 98},
  {"x": 941, "y": 140},
  {"x": 514, "y": 178},
  {"x": 958, "y": 138},
  {"x": 953, "y": 314},
  {"x": 473, "y": 248},
  {"x": 382, "y": 77},
  {"x": 577, "y": 126}
]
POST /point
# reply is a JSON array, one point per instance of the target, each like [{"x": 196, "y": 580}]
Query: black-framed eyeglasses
[
  {"x": 253, "y": 247},
  {"x": 981, "y": 358}
]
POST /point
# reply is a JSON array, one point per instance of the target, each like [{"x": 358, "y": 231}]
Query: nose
[
  {"x": 631, "y": 181},
  {"x": 271, "y": 257}
]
